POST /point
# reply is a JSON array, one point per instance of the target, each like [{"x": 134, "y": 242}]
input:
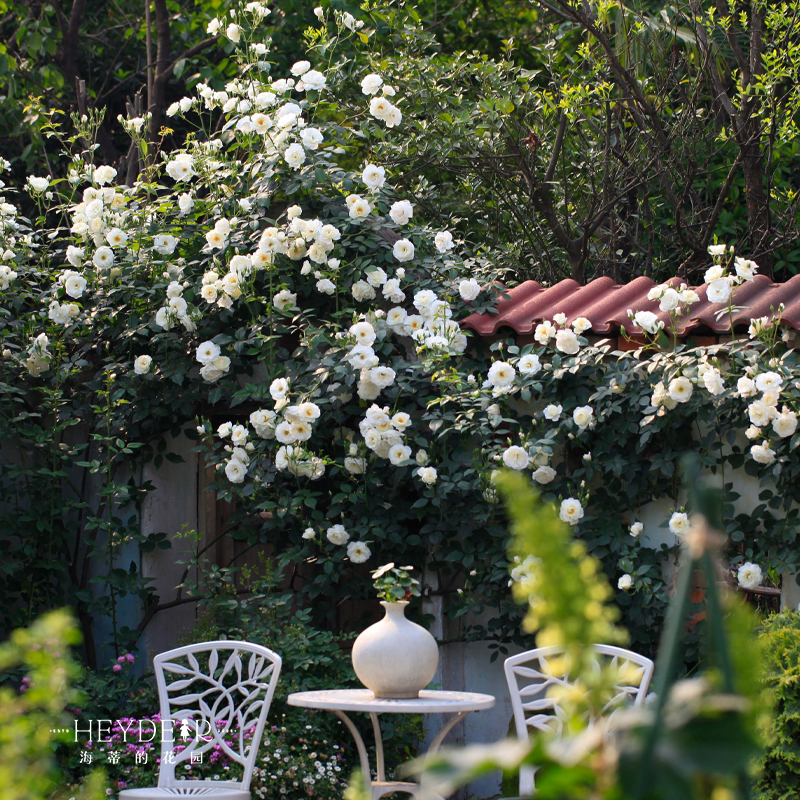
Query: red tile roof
[{"x": 605, "y": 304}]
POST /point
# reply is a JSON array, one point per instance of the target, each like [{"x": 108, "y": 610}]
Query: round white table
[{"x": 338, "y": 701}]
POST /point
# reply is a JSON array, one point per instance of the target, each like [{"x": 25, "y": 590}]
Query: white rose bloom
[
  {"x": 284, "y": 299},
  {"x": 355, "y": 466},
  {"x": 501, "y": 374},
  {"x": 359, "y": 208},
  {"x": 399, "y": 454},
  {"x": 207, "y": 352},
  {"x": 749, "y": 575},
  {"x": 358, "y": 552},
  {"x": 625, "y": 582},
  {"x": 373, "y": 176},
  {"x": 544, "y": 332},
  {"x": 74, "y": 255},
  {"x": 377, "y": 277},
  {"x": 567, "y": 341},
  {"x": 713, "y": 382},
  {"x": 403, "y": 250},
  {"x": 669, "y": 300},
  {"x": 718, "y": 291},
  {"x": 209, "y": 293},
  {"x": 745, "y": 269},
  {"x": 314, "y": 80},
  {"x": 294, "y": 155},
  {"x": 38, "y": 184},
  {"x": 364, "y": 332},
  {"x": 571, "y": 511},
  {"x": 529, "y": 365},
  {"x": 235, "y": 471},
  {"x": 401, "y": 420},
  {"x": 680, "y": 389},
  {"x": 717, "y": 249},
  {"x": 326, "y": 286},
  {"x": 679, "y": 523},
  {"x": 544, "y": 474},
  {"x": 362, "y": 291},
  {"x": 181, "y": 167},
  {"x": 443, "y": 241},
  {"x": 103, "y": 258},
  {"x": 116, "y": 237},
  {"x": 164, "y": 244},
  {"x": 337, "y": 535},
  {"x": 769, "y": 382},
  {"x": 141, "y": 366},
  {"x": 371, "y": 84},
  {"x": 515, "y": 457},
  {"x": 581, "y": 325},
  {"x": 75, "y": 285},
  {"x": 560, "y": 318},
  {"x": 103, "y": 175},
  {"x": 469, "y": 290},
  {"x": 760, "y": 413},
  {"x": 401, "y": 212},
  {"x": 636, "y": 529},
  {"x": 553, "y": 412},
  {"x": 300, "y": 68},
  {"x": 263, "y": 421},
  {"x": 177, "y": 307},
  {"x": 582, "y": 416},
  {"x": 362, "y": 357},
  {"x": 745, "y": 387},
  {"x": 753, "y": 433},
  {"x": 308, "y": 533},
  {"x": 785, "y": 423},
  {"x": 279, "y": 388},
  {"x": 382, "y": 376},
  {"x": 648, "y": 322},
  {"x": 427, "y": 475},
  {"x": 367, "y": 390},
  {"x": 284, "y": 432},
  {"x": 312, "y": 138}
]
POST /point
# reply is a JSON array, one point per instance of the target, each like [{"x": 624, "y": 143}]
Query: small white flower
[
  {"x": 544, "y": 474},
  {"x": 284, "y": 299},
  {"x": 749, "y": 575},
  {"x": 769, "y": 382},
  {"x": 308, "y": 533},
  {"x": 403, "y": 250},
  {"x": 401, "y": 212},
  {"x": 373, "y": 176},
  {"x": 762, "y": 453},
  {"x": 625, "y": 582},
  {"x": 571, "y": 511},
  {"x": 553, "y": 412},
  {"x": 371, "y": 84},
  {"x": 207, "y": 352},
  {"x": 141, "y": 366},
  {"x": 583, "y": 416},
  {"x": 680, "y": 389},
  {"x": 235, "y": 471},
  {"x": 718, "y": 291},
  {"x": 529, "y": 365},
  {"x": 469, "y": 290},
  {"x": 567, "y": 341},
  {"x": 443, "y": 241},
  {"x": 501, "y": 374},
  {"x": 337, "y": 535},
  {"x": 358, "y": 552},
  {"x": 636, "y": 529},
  {"x": 427, "y": 475},
  {"x": 516, "y": 457},
  {"x": 294, "y": 155},
  {"x": 679, "y": 523}
]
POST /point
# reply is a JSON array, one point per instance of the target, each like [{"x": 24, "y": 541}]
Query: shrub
[{"x": 780, "y": 779}]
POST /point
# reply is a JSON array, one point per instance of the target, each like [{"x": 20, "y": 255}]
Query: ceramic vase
[{"x": 395, "y": 657}]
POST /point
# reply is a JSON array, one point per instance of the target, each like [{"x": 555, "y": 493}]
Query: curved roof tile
[{"x": 605, "y": 304}]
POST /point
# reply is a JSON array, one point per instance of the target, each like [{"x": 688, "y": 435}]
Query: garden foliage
[
  {"x": 270, "y": 292},
  {"x": 781, "y": 767}
]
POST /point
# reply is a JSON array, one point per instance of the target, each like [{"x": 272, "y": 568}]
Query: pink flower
[
  {"x": 130, "y": 658},
  {"x": 117, "y": 668},
  {"x": 121, "y": 660}
]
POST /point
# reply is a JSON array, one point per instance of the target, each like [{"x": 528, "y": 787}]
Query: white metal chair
[
  {"x": 530, "y": 677},
  {"x": 219, "y": 697}
]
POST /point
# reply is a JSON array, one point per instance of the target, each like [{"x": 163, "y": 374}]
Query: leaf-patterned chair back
[
  {"x": 216, "y": 696},
  {"x": 533, "y": 676}
]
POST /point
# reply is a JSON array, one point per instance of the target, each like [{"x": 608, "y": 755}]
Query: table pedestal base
[{"x": 382, "y": 787}]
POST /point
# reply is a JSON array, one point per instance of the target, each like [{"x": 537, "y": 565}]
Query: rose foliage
[{"x": 266, "y": 292}]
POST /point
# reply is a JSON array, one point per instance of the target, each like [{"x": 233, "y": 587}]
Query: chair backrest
[
  {"x": 213, "y": 695},
  {"x": 530, "y": 676}
]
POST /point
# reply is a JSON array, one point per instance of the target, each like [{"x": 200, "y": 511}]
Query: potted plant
[{"x": 395, "y": 657}]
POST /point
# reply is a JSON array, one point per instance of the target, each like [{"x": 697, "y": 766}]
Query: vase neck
[{"x": 395, "y": 610}]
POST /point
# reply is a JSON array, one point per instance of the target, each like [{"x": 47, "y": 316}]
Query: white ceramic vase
[{"x": 395, "y": 657}]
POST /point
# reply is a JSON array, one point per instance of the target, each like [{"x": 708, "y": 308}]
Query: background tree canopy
[{"x": 571, "y": 140}]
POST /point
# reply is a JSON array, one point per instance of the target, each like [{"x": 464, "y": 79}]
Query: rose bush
[{"x": 265, "y": 291}]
